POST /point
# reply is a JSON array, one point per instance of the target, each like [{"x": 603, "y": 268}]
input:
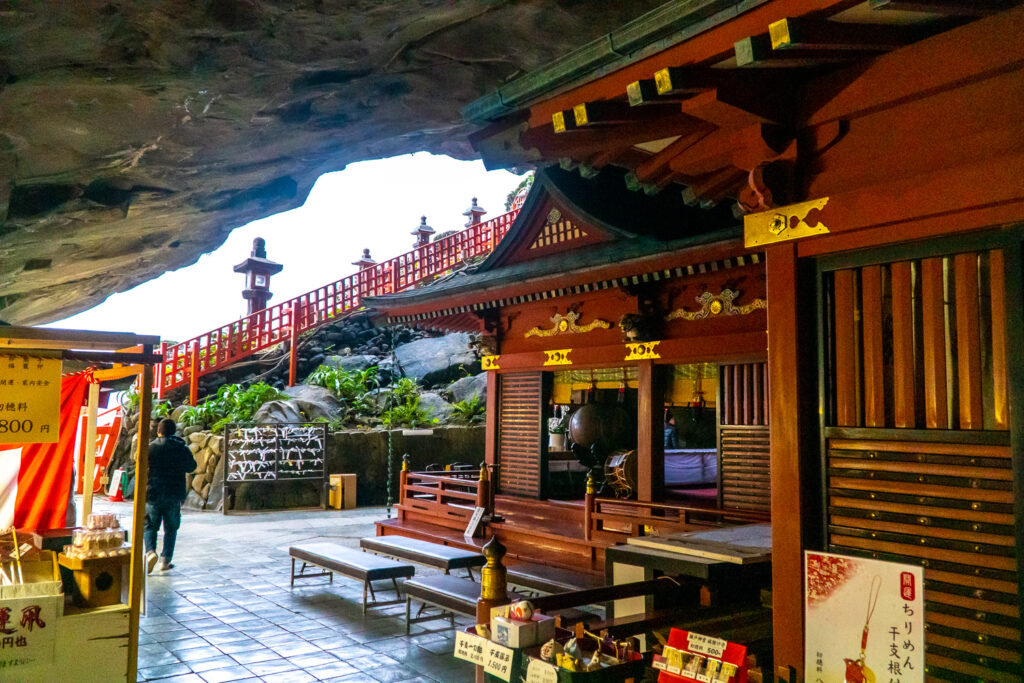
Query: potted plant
[{"x": 557, "y": 427}]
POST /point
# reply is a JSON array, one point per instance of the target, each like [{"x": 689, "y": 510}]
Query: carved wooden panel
[
  {"x": 949, "y": 508},
  {"x": 520, "y": 431}
]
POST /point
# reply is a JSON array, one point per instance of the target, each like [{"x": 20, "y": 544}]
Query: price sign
[
  {"x": 706, "y": 645},
  {"x": 499, "y": 661},
  {"x": 471, "y": 648},
  {"x": 541, "y": 672},
  {"x": 29, "y": 399}
]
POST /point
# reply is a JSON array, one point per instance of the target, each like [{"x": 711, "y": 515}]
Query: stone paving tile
[{"x": 227, "y": 611}]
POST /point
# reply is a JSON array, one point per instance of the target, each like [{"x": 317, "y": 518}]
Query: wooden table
[{"x": 728, "y": 582}]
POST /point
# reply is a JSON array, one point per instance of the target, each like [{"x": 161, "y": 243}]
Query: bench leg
[
  {"x": 469, "y": 571},
  {"x": 408, "y": 608},
  {"x": 395, "y": 582},
  {"x": 365, "y": 583},
  {"x": 293, "y": 572},
  {"x": 373, "y": 596}
]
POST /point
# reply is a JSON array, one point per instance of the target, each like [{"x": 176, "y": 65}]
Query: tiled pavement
[{"x": 226, "y": 611}]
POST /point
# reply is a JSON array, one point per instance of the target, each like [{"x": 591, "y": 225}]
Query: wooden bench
[
  {"x": 352, "y": 563},
  {"x": 423, "y": 552},
  {"x": 545, "y": 579},
  {"x": 451, "y": 594}
]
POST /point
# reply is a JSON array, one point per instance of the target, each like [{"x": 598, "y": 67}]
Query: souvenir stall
[
  {"x": 71, "y": 596},
  {"x": 869, "y": 156}
]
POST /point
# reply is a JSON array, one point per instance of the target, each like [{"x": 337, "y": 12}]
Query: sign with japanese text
[
  {"x": 28, "y": 631},
  {"x": 29, "y": 399},
  {"x": 864, "y": 619},
  {"x": 541, "y": 672},
  {"x": 495, "y": 659}
]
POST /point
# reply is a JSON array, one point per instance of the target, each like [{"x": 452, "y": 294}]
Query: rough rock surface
[
  {"x": 436, "y": 406},
  {"x": 350, "y": 363},
  {"x": 134, "y": 136},
  {"x": 437, "y": 359},
  {"x": 315, "y": 401},
  {"x": 277, "y": 412},
  {"x": 468, "y": 387}
]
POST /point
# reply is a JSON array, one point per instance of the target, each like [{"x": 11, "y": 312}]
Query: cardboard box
[
  {"x": 545, "y": 628},
  {"x": 511, "y": 633}
]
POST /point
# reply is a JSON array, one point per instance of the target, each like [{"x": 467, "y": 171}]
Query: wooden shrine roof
[{"x": 638, "y": 234}]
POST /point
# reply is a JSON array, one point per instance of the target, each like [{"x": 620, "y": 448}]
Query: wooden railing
[
  {"x": 186, "y": 362},
  {"x": 441, "y": 499},
  {"x": 617, "y": 519}
]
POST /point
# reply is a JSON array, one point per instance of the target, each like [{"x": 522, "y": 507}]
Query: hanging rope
[{"x": 391, "y": 405}]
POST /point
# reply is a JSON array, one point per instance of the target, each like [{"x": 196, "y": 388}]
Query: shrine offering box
[
  {"x": 689, "y": 657},
  {"x": 98, "y": 579}
]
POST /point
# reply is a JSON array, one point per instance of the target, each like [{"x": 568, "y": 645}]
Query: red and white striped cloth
[{"x": 35, "y": 479}]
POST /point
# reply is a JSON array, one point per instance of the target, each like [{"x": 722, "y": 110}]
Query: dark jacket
[{"x": 169, "y": 461}]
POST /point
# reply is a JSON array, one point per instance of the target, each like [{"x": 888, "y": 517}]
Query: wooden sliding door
[
  {"x": 520, "y": 431},
  {"x": 743, "y": 445}
]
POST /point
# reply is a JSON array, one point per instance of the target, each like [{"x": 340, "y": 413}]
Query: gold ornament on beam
[
  {"x": 566, "y": 324},
  {"x": 712, "y": 305}
]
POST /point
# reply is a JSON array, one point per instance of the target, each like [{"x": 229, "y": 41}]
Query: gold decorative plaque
[
  {"x": 558, "y": 357},
  {"x": 784, "y": 223},
  {"x": 643, "y": 351},
  {"x": 712, "y": 305},
  {"x": 490, "y": 363},
  {"x": 566, "y": 324}
]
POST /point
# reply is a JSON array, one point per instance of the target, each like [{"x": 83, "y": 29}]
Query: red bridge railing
[{"x": 186, "y": 362}]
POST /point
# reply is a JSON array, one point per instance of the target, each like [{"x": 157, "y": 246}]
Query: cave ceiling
[{"x": 134, "y": 136}]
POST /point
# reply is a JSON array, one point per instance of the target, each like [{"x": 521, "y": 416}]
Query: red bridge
[{"x": 216, "y": 350}]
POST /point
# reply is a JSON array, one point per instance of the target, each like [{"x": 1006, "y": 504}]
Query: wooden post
[
  {"x": 293, "y": 345},
  {"x": 90, "y": 449},
  {"x": 491, "y": 420},
  {"x": 161, "y": 369},
  {"x": 483, "y": 489},
  {"x": 403, "y": 479},
  {"x": 493, "y": 581},
  {"x": 650, "y": 475},
  {"x": 791, "y": 383},
  {"x": 588, "y": 507},
  {"x": 137, "y": 572},
  {"x": 193, "y": 376}
]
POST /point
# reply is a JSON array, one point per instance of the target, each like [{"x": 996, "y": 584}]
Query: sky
[{"x": 374, "y": 204}]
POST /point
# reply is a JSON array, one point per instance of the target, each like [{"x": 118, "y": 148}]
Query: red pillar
[{"x": 193, "y": 374}]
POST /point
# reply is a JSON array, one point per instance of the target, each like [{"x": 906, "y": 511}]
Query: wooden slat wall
[
  {"x": 745, "y": 478},
  {"x": 743, "y": 437},
  {"x": 519, "y": 434},
  {"x": 950, "y": 508},
  {"x": 919, "y": 344}
]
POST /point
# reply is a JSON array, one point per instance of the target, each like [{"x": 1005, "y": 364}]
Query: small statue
[{"x": 550, "y": 650}]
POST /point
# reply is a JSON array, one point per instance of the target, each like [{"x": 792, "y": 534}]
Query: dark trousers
[{"x": 167, "y": 512}]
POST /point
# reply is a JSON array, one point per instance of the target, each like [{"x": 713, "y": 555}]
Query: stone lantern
[
  {"x": 423, "y": 233},
  {"x": 365, "y": 261},
  {"x": 474, "y": 213},
  {"x": 257, "y": 270}
]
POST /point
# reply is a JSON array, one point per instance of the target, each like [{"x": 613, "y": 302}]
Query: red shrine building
[{"x": 795, "y": 228}]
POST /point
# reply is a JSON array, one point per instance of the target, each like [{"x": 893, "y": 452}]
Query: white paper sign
[
  {"x": 850, "y": 600},
  {"x": 471, "y": 648},
  {"x": 28, "y": 628},
  {"x": 499, "y": 661},
  {"x": 706, "y": 645},
  {"x": 541, "y": 672},
  {"x": 474, "y": 522}
]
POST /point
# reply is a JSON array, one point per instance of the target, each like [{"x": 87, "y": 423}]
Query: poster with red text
[{"x": 864, "y": 620}]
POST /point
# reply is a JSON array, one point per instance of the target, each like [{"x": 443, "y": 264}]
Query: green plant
[
  {"x": 465, "y": 411},
  {"x": 354, "y": 387},
  {"x": 405, "y": 410},
  {"x": 161, "y": 409},
  {"x": 231, "y": 404}
]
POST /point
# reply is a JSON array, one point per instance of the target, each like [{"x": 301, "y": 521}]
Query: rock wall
[{"x": 134, "y": 136}]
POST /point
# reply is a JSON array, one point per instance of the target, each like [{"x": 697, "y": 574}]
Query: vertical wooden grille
[
  {"x": 918, "y": 344},
  {"x": 744, "y": 479},
  {"x": 949, "y": 508},
  {"x": 519, "y": 434},
  {"x": 744, "y": 394},
  {"x": 556, "y": 233},
  {"x": 745, "y": 475}
]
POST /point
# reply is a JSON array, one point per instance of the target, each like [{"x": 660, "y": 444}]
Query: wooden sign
[
  {"x": 29, "y": 399},
  {"x": 28, "y": 632}
]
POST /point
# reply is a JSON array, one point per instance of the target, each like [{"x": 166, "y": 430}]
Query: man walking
[{"x": 169, "y": 461}]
